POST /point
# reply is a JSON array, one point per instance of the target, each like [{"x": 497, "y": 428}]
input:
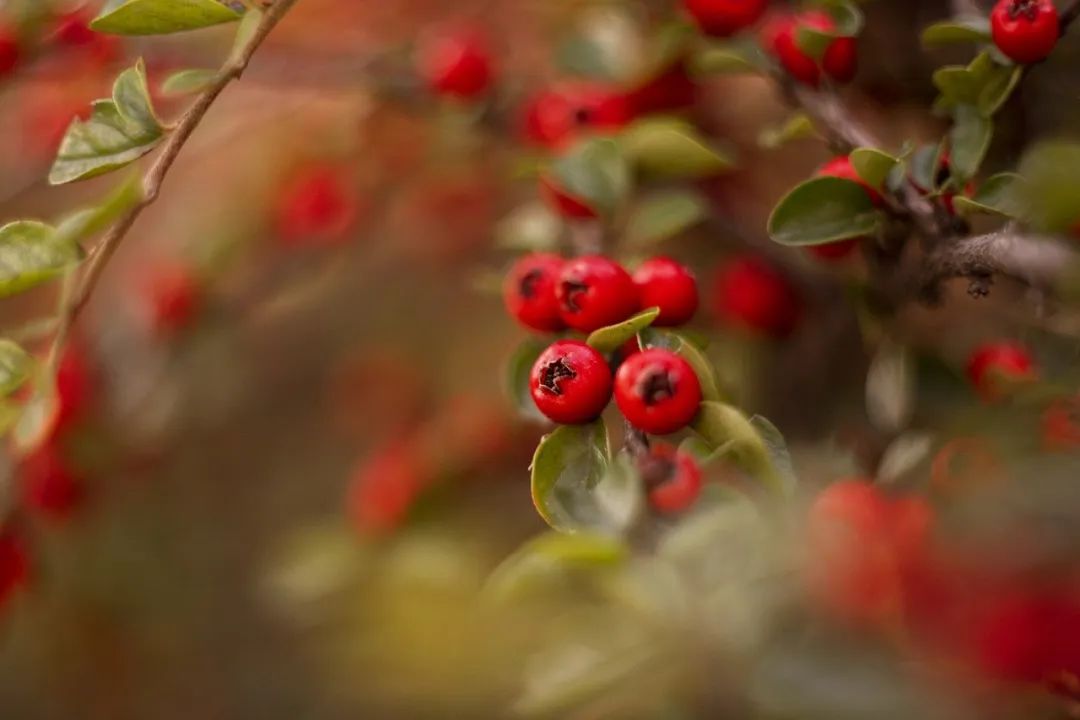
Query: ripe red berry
[
  {"x": 317, "y": 206},
  {"x": 724, "y": 18},
  {"x": 673, "y": 479},
  {"x": 753, "y": 295},
  {"x": 593, "y": 292},
  {"x": 1026, "y": 31},
  {"x": 9, "y": 48},
  {"x": 72, "y": 30},
  {"x": 669, "y": 91},
  {"x": 529, "y": 292},
  {"x": 994, "y": 366},
  {"x": 49, "y": 485},
  {"x": 560, "y": 114},
  {"x": 670, "y": 286},
  {"x": 781, "y": 39},
  {"x": 457, "y": 63},
  {"x": 174, "y": 297},
  {"x": 570, "y": 383},
  {"x": 14, "y": 564},
  {"x": 563, "y": 203},
  {"x": 657, "y": 391},
  {"x": 383, "y": 489}
]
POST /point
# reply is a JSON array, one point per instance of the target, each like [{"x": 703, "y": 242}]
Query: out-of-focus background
[{"x": 313, "y": 302}]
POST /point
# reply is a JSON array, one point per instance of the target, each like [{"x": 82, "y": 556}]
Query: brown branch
[{"x": 155, "y": 177}]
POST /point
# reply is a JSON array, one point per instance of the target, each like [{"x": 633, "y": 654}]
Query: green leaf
[
  {"x": 924, "y": 167},
  {"x": 567, "y": 466},
  {"x": 89, "y": 221},
  {"x": 722, "y": 425},
  {"x": 187, "y": 82},
  {"x": 969, "y": 141},
  {"x": 997, "y": 89},
  {"x": 959, "y": 30},
  {"x": 161, "y": 17},
  {"x": 890, "y": 388},
  {"x": 516, "y": 377},
  {"x": 611, "y": 338},
  {"x": 903, "y": 455},
  {"x": 660, "y": 217},
  {"x": 15, "y": 366},
  {"x": 620, "y": 494},
  {"x": 549, "y": 559},
  {"x": 118, "y": 132},
  {"x": 249, "y": 25},
  {"x": 783, "y": 469},
  {"x": 848, "y": 23},
  {"x": 1004, "y": 194},
  {"x": 30, "y": 254},
  {"x": 596, "y": 172},
  {"x": 796, "y": 127},
  {"x": 1052, "y": 169},
  {"x": 671, "y": 148},
  {"x": 703, "y": 367},
  {"x": 873, "y": 165},
  {"x": 823, "y": 210},
  {"x": 727, "y": 58}
]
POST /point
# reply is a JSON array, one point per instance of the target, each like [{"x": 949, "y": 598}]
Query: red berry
[
  {"x": 751, "y": 294},
  {"x": 174, "y": 297},
  {"x": 558, "y": 115},
  {"x": 594, "y": 292},
  {"x": 457, "y": 63},
  {"x": 670, "y": 286},
  {"x": 317, "y": 206},
  {"x": 1061, "y": 425},
  {"x": 1026, "y": 31},
  {"x": 657, "y": 391},
  {"x": 14, "y": 564},
  {"x": 835, "y": 251},
  {"x": 671, "y": 90},
  {"x": 73, "y": 30},
  {"x": 529, "y": 292},
  {"x": 839, "y": 61},
  {"x": 383, "y": 489},
  {"x": 74, "y": 387},
  {"x": 9, "y": 48},
  {"x": 50, "y": 486},
  {"x": 563, "y": 203},
  {"x": 724, "y": 18},
  {"x": 570, "y": 383},
  {"x": 994, "y": 366},
  {"x": 674, "y": 479}
]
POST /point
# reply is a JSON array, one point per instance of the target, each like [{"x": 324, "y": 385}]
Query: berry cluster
[{"x": 657, "y": 390}]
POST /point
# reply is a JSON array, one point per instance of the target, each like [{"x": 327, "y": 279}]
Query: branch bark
[{"x": 155, "y": 176}]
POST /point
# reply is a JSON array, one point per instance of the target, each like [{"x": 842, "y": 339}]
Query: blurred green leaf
[
  {"x": 596, "y": 172},
  {"x": 823, "y": 210},
  {"x": 723, "y": 425},
  {"x": 89, "y": 221},
  {"x": 997, "y": 89},
  {"x": 890, "y": 388},
  {"x": 925, "y": 165},
  {"x": 730, "y": 57},
  {"x": 567, "y": 466},
  {"x": 36, "y": 417},
  {"x": 958, "y": 30},
  {"x": 873, "y": 165},
  {"x": 796, "y": 127},
  {"x": 848, "y": 23},
  {"x": 160, "y": 17},
  {"x": 969, "y": 141},
  {"x": 779, "y": 454},
  {"x": 1003, "y": 194},
  {"x": 660, "y": 217},
  {"x": 703, "y": 367},
  {"x": 15, "y": 366},
  {"x": 30, "y": 254},
  {"x": 611, "y": 338},
  {"x": 517, "y": 372},
  {"x": 118, "y": 132},
  {"x": 620, "y": 494},
  {"x": 187, "y": 82},
  {"x": 547, "y": 559},
  {"x": 672, "y": 148},
  {"x": 1052, "y": 169},
  {"x": 903, "y": 455}
]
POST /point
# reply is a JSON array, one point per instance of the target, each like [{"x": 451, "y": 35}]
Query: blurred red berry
[
  {"x": 174, "y": 297},
  {"x": 723, "y": 18},
  {"x": 1061, "y": 425},
  {"x": 1025, "y": 31},
  {"x": 457, "y": 63},
  {"x": 751, "y": 294},
  {"x": 317, "y": 206},
  {"x": 72, "y": 30},
  {"x": 74, "y": 387},
  {"x": 571, "y": 383},
  {"x": 670, "y": 286},
  {"x": 559, "y": 115},
  {"x": 10, "y": 52},
  {"x": 993, "y": 367},
  {"x": 593, "y": 292},
  {"x": 564, "y": 203},
  {"x": 1028, "y": 634},
  {"x": 383, "y": 489},
  {"x": 50, "y": 486},
  {"x": 14, "y": 565},
  {"x": 781, "y": 39},
  {"x": 657, "y": 391},
  {"x": 529, "y": 292},
  {"x": 671, "y": 90},
  {"x": 673, "y": 478}
]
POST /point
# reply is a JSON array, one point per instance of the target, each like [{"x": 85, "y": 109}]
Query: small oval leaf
[
  {"x": 664, "y": 216},
  {"x": 672, "y": 148},
  {"x": 15, "y": 366},
  {"x": 873, "y": 165},
  {"x": 823, "y": 210},
  {"x": 611, "y": 338},
  {"x": 568, "y": 464},
  {"x": 30, "y": 254},
  {"x": 960, "y": 30},
  {"x": 161, "y": 17},
  {"x": 187, "y": 82}
]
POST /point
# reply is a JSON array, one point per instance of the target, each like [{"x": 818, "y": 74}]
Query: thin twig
[{"x": 154, "y": 178}]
